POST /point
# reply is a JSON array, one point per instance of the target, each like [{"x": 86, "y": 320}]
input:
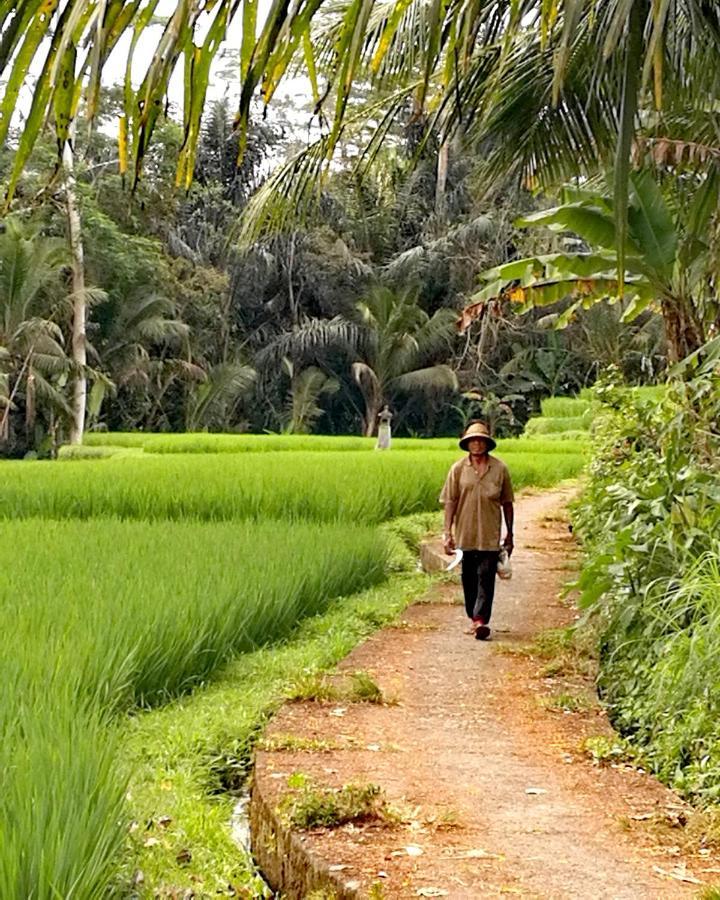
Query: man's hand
[
  {"x": 448, "y": 544},
  {"x": 508, "y": 544}
]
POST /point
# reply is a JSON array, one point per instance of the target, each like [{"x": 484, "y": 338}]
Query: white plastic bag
[
  {"x": 455, "y": 561},
  {"x": 504, "y": 567}
]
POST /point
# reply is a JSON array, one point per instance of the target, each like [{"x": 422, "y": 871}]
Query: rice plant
[
  {"x": 564, "y": 407},
  {"x": 110, "y": 443},
  {"x": 543, "y": 425},
  {"x": 347, "y": 486},
  {"x": 106, "y": 615}
]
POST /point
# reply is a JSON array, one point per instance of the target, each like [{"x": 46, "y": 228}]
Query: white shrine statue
[{"x": 384, "y": 434}]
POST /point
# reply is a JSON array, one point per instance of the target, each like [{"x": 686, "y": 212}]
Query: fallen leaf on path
[
  {"x": 339, "y": 867},
  {"x": 535, "y": 790},
  {"x": 374, "y": 747},
  {"x": 476, "y": 853},
  {"x": 431, "y": 892},
  {"x": 643, "y": 817},
  {"x": 679, "y": 874},
  {"x": 339, "y": 711},
  {"x": 414, "y": 850}
]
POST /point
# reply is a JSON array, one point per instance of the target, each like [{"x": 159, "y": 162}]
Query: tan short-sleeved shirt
[{"x": 479, "y": 502}]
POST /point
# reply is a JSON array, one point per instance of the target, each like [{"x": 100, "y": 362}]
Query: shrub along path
[{"x": 480, "y": 758}]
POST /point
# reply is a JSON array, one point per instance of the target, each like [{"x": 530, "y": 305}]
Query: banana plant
[{"x": 669, "y": 262}]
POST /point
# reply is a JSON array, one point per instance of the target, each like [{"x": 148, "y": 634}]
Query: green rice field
[
  {"x": 570, "y": 418},
  {"x": 202, "y": 442},
  {"x": 128, "y": 581},
  {"x": 356, "y": 486}
]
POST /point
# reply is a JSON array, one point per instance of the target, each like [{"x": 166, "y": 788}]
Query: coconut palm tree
[
  {"x": 141, "y": 343},
  {"x": 33, "y": 361},
  {"x": 392, "y": 343},
  {"x": 587, "y": 67}
]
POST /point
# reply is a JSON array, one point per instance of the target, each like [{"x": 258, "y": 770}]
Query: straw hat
[{"x": 477, "y": 430}]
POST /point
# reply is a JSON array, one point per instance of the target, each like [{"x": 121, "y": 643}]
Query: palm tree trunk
[
  {"x": 30, "y": 410},
  {"x": 291, "y": 290},
  {"x": 372, "y": 411},
  {"x": 79, "y": 349},
  {"x": 441, "y": 182}
]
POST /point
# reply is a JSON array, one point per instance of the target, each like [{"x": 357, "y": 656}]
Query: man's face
[{"x": 477, "y": 446}]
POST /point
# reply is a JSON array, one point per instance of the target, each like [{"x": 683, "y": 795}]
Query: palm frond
[
  {"x": 433, "y": 378},
  {"x": 49, "y": 394},
  {"x": 223, "y": 386},
  {"x": 312, "y": 338},
  {"x": 306, "y": 389}
]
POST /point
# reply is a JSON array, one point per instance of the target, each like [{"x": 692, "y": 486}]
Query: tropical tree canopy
[
  {"x": 392, "y": 344},
  {"x": 525, "y": 68}
]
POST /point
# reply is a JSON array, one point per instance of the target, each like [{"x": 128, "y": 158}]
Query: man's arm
[
  {"x": 509, "y": 514},
  {"x": 448, "y": 540}
]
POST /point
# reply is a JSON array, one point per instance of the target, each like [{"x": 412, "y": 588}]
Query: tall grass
[
  {"x": 347, "y": 486},
  {"x": 105, "y": 615}
]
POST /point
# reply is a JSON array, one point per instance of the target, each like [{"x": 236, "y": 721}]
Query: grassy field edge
[{"x": 189, "y": 760}]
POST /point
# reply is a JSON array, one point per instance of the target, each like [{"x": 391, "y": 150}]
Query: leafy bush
[{"x": 650, "y": 522}]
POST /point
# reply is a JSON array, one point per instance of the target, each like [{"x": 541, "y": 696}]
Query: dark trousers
[{"x": 478, "y": 580}]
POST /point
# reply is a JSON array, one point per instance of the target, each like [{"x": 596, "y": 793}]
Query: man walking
[{"x": 476, "y": 489}]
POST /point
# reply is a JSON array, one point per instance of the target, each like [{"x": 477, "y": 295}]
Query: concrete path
[{"x": 491, "y": 787}]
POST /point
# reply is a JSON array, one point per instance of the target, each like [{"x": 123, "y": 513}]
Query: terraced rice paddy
[
  {"x": 355, "y": 486},
  {"x": 129, "y": 581}
]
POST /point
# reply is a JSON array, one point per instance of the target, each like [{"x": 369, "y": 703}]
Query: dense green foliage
[
  {"x": 667, "y": 262},
  {"x": 306, "y": 332},
  {"x": 650, "y": 521}
]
